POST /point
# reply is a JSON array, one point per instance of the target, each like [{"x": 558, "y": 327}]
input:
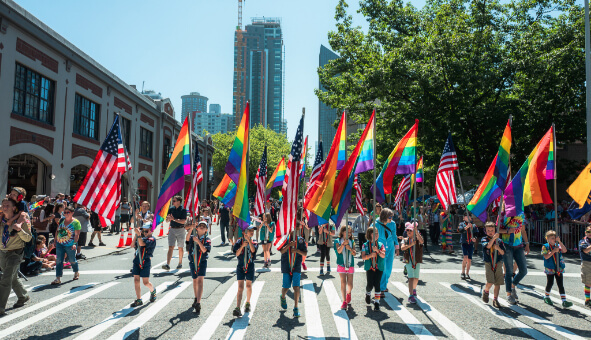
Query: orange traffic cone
[
  {"x": 161, "y": 230},
  {"x": 129, "y": 239},
  {"x": 214, "y": 218},
  {"x": 121, "y": 242}
]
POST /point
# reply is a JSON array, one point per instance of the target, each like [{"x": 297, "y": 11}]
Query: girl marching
[
  {"x": 345, "y": 249},
  {"x": 198, "y": 246},
  {"x": 373, "y": 253},
  {"x": 267, "y": 235}
]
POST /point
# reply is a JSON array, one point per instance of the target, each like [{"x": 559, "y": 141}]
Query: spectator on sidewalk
[
  {"x": 125, "y": 218},
  {"x": 360, "y": 225},
  {"x": 97, "y": 229},
  {"x": 225, "y": 222},
  {"x": 82, "y": 215},
  {"x": 58, "y": 214}
]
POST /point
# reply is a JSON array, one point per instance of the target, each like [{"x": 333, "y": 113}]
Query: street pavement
[{"x": 97, "y": 305}]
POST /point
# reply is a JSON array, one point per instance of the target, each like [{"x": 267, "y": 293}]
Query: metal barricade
[{"x": 570, "y": 233}]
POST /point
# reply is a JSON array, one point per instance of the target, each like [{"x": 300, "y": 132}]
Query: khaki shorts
[
  {"x": 176, "y": 235},
  {"x": 306, "y": 234},
  {"x": 233, "y": 234},
  {"x": 495, "y": 277},
  {"x": 586, "y": 273}
]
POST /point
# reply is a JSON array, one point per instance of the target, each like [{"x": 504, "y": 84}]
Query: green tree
[
  {"x": 277, "y": 147},
  {"x": 461, "y": 66}
]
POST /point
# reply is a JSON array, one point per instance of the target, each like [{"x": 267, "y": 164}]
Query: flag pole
[
  {"x": 555, "y": 191},
  {"x": 502, "y": 201},
  {"x": 375, "y": 164},
  {"x": 462, "y": 188},
  {"x": 129, "y": 177},
  {"x": 346, "y": 159}
]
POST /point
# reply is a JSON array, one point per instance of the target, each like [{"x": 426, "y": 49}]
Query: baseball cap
[{"x": 147, "y": 225}]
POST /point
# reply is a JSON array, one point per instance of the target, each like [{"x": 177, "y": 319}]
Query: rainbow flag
[
  {"x": 401, "y": 161},
  {"x": 344, "y": 201},
  {"x": 36, "y": 205},
  {"x": 278, "y": 176},
  {"x": 226, "y": 191},
  {"x": 495, "y": 180},
  {"x": 237, "y": 169},
  {"x": 174, "y": 178},
  {"x": 319, "y": 197},
  {"x": 363, "y": 152},
  {"x": 420, "y": 172},
  {"x": 342, "y": 144},
  {"x": 529, "y": 183},
  {"x": 304, "y": 163}
]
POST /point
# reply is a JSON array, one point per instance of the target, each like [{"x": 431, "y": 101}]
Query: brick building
[{"x": 57, "y": 107}]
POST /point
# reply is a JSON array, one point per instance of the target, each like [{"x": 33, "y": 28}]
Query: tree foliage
[
  {"x": 461, "y": 66},
  {"x": 277, "y": 147}
]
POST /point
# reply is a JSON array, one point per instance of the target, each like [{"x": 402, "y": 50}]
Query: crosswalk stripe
[
  {"x": 570, "y": 297},
  {"x": 556, "y": 300},
  {"x": 434, "y": 314},
  {"x": 134, "y": 325},
  {"x": 51, "y": 311},
  {"x": 413, "y": 323},
  {"x": 12, "y": 316},
  {"x": 535, "y": 318},
  {"x": 340, "y": 316},
  {"x": 239, "y": 326},
  {"x": 314, "y": 327},
  {"x": 208, "y": 328},
  {"x": 508, "y": 319},
  {"x": 116, "y": 316},
  {"x": 29, "y": 289}
]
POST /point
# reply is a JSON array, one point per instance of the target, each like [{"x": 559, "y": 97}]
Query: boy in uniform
[
  {"x": 292, "y": 254},
  {"x": 493, "y": 250},
  {"x": 585, "y": 251},
  {"x": 144, "y": 249},
  {"x": 245, "y": 249},
  {"x": 198, "y": 246}
]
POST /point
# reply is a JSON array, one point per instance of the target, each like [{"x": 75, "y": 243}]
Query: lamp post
[{"x": 588, "y": 79}]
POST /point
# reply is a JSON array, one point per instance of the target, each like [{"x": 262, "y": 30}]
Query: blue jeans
[
  {"x": 517, "y": 254},
  {"x": 389, "y": 261},
  {"x": 60, "y": 254}
]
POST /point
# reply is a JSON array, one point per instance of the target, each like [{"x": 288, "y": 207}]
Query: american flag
[
  {"x": 445, "y": 184},
  {"x": 260, "y": 182},
  {"x": 192, "y": 199},
  {"x": 318, "y": 162},
  {"x": 101, "y": 189},
  {"x": 290, "y": 190},
  {"x": 403, "y": 188},
  {"x": 358, "y": 194}
]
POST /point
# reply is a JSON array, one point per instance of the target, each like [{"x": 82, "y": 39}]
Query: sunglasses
[{"x": 67, "y": 212}]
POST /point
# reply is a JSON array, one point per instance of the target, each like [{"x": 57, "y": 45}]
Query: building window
[
  {"x": 146, "y": 143},
  {"x": 125, "y": 131},
  {"x": 33, "y": 95},
  {"x": 86, "y": 117},
  {"x": 167, "y": 153}
]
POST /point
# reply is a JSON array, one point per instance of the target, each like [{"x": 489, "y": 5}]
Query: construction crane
[{"x": 239, "y": 27}]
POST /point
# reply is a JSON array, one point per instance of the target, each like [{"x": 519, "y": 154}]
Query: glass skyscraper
[
  {"x": 258, "y": 73},
  {"x": 326, "y": 114},
  {"x": 193, "y": 102}
]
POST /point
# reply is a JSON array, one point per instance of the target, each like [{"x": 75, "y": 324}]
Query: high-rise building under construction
[{"x": 258, "y": 73}]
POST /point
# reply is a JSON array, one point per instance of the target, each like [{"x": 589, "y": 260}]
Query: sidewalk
[{"x": 112, "y": 240}]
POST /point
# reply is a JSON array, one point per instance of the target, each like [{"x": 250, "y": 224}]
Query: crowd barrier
[{"x": 570, "y": 233}]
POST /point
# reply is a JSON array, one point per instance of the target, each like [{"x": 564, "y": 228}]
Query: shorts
[
  {"x": 306, "y": 235},
  {"x": 142, "y": 272},
  {"x": 176, "y": 235},
  {"x": 124, "y": 218},
  {"x": 202, "y": 269},
  {"x": 468, "y": 250},
  {"x": 249, "y": 275},
  {"x": 341, "y": 269},
  {"x": 496, "y": 277},
  {"x": 413, "y": 273},
  {"x": 291, "y": 280},
  {"x": 586, "y": 273},
  {"x": 98, "y": 228},
  {"x": 232, "y": 233}
]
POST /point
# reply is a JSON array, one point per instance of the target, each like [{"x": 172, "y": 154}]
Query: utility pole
[{"x": 588, "y": 79}]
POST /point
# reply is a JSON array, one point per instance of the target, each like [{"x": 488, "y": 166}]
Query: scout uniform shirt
[
  {"x": 291, "y": 262},
  {"x": 346, "y": 258},
  {"x": 489, "y": 254},
  {"x": 196, "y": 256},
  {"x": 11, "y": 239},
  {"x": 267, "y": 234},
  {"x": 376, "y": 263},
  {"x": 325, "y": 239},
  {"x": 246, "y": 258},
  {"x": 144, "y": 253},
  {"x": 409, "y": 256},
  {"x": 555, "y": 264}
]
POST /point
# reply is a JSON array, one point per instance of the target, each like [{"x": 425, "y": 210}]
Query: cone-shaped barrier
[
  {"x": 121, "y": 242},
  {"x": 129, "y": 239},
  {"x": 161, "y": 230},
  {"x": 214, "y": 218}
]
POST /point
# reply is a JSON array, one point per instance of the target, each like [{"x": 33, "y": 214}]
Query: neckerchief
[
  {"x": 292, "y": 253},
  {"x": 196, "y": 248},
  {"x": 346, "y": 254},
  {"x": 412, "y": 255},
  {"x": 247, "y": 255},
  {"x": 5, "y": 233},
  {"x": 493, "y": 255},
  {"x": 144, "y": 215},
  {"x": 141, "y": 252},
  {"x": 556, "y": 260},
  {"x": 267, "y": 232},
  {"x": 374, "y": 260},
  {"x": 469, "y": 233}
]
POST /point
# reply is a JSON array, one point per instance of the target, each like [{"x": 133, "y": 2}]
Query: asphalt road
[{"x": 97, "y": 305}]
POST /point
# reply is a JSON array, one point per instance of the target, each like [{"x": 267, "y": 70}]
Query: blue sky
[{"x": 181, "y": 46}]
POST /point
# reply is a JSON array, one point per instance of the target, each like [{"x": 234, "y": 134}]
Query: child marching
[
  {"x": 554, "y": 267},
  {"x": 292, "y": 254},
  {"x": 198, "y": 246},
  {"x": 267, "y": 235},
  {"x": 373, "y": 253},
  {"x": 144, "y": 244},
  {"x": 325, "y": 234},
  {"x": 245, "y": 249},
  {"x": 467, "y": 240},
  {"x": 344, "y": 247},
  {"x": 493, "y": 250},
  {"x": 412, "y": 246},
  {"x": 585, "y": 252}
]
